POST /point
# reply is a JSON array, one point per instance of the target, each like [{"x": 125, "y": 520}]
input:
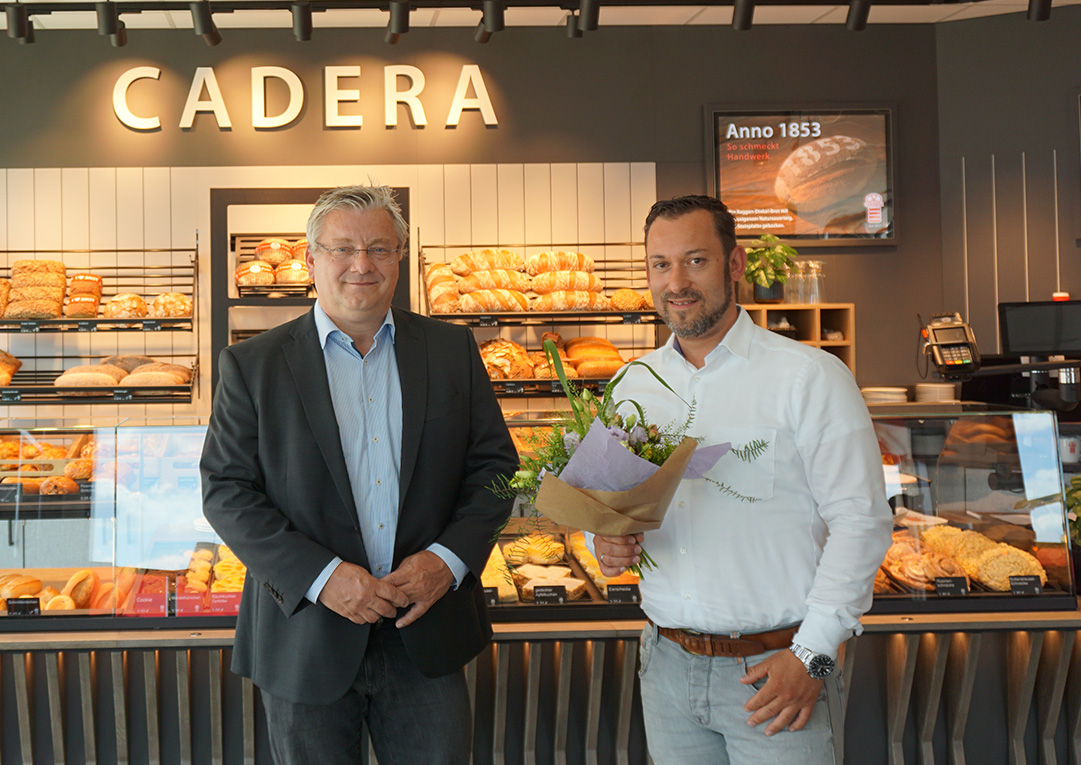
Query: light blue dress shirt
[{"x": 367, "y": 398}]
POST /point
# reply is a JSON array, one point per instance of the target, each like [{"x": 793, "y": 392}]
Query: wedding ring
[{"x": 603, "y": 560}]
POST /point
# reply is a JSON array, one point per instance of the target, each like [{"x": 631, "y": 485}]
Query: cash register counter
[{"x": 929, "y": 688}]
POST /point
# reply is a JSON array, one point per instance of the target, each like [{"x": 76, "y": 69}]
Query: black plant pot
[{"x": 771, "y": 294}]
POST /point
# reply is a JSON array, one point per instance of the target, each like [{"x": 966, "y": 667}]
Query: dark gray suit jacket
[{"x": 275, "y": 488}]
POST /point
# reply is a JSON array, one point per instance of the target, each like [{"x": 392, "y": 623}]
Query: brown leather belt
[{"x": 701, "y": 644}]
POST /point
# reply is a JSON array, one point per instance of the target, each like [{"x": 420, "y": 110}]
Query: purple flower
[
  {"x": 619, "y": 433},
  {"x": 638, "y": 435},
  {"x": 571, "y": 441}
]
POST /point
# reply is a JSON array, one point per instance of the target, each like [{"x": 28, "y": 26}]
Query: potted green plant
[{"x": 767, "y": 268}]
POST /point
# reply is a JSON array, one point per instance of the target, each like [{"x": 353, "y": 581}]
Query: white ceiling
[{"x": 661, "y": 14}]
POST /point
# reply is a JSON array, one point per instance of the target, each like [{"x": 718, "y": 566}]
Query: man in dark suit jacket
[{"x": 348, "y": 463}]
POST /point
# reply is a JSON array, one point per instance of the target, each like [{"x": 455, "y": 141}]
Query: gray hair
[{"x": 359, "y": 198}]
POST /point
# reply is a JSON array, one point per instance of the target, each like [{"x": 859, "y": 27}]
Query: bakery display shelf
[
  {"x": 74, "y": 324},
  {"x": 907, "y": 603},
  {"x": 544, "y": 387},
  {"x": 531, "y": 318},
  {"x": 36, "y": 507},
  {"x": 276, "y": 292},
  {"x": 36, "y": 385},
  {"x": 243, "y": 245}
]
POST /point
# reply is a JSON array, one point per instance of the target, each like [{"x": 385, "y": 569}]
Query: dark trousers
[{"x": 411, "y": 718}]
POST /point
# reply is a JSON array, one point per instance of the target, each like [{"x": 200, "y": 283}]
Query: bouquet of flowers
[{"x": 604, "y": 472}]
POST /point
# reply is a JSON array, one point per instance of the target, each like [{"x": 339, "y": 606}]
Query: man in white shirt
[{"x": 757, "y": 584}]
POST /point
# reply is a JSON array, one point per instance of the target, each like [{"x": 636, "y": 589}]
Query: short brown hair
[{"x": 669, "y": 209}]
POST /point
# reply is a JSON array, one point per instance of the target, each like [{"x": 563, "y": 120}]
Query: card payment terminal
[{"x": 951, "y": 345}]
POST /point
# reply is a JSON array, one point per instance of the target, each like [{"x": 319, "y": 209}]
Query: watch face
[{"x": 820, "y": 666}]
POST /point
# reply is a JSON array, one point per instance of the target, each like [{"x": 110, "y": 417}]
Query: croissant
[
  {"x": 486, "y": 260},
  {"x": 571, "y": 301},
  {"x": 493, "y": 300},
  {"x": 498, "y": 279},
  {"x": 553, "y": 281},
  {"x": 557, "y": 261}
]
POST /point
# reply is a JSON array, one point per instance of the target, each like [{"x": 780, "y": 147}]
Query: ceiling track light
[
  {"x": 480, "y": 34},
  {"x": 1039, "y": 10},
  {"x": 203, "y": 21},
  {"x": 590, "y": 11},
  {"x": 858, "y": 11},
  {"x": 108, "y": 18},
  {"x": 573, "y": 30},
  {"x": 494, "y": 16},
  {"x": 742, "y": 15},
  {"x": 302, "y": 19},
  {"x": 399, "y": 21},
  {"x": 19, "y": 25},
  {"x": 120, "y": 38}
]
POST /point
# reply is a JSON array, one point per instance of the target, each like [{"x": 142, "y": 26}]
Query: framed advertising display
[{"x": 810, "y": 175}]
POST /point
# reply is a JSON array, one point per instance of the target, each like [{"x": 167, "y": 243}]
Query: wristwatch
[{"x": 818, "y": 665}]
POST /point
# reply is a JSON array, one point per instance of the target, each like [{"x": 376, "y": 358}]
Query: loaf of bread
[
  {"x": 33, "y": 309},
  {"x": 38, "y": 267},
  {"x": 822, "y": 173},
  {"x": 589, "y": 345},
  {"x": 498, "y": 279},
  {"x": 9, "y": 365},
  {"x": 170, "y": 305},
  {"x": 599, "y": 368},
  {"x": 505, "y": 360},
  {"x": 482, "y": 301},
  {"x": 300, "y": 249},
  {"x": 442, "y": 288},
  {"x": 128, "y": 363},
  {"x": 115, "y": 372},
  {"x": 553, "y": 281},
  {"x": 80, "y": 588},
  {"x": 53, "y": 294},
  {"x": 81, "y": 307},
  {"x": 274, "y": 251},
  {"x": 5, "y": 293},
  {"x": 149, "y": 379},
  {"x": 85, "y": 284},
  {"x": 557, "y": 261},
  {"x": 486, "y": 260},
  {"x": 38, "y": 279},
  {"x": 126, "y": 305},
  {"x": 92, "y": 377},
  {"x": 254, "y": 272},
  {"x": 627, "y": 300},
  {"x": 292, "y": 272},
  {"x": 79, "y": 470},
  {"x": 184, "y": 373},
  {"x": 18, "y": 585},
  {"x": 59, "y": 484},
  {"x": 571, "y": 301}
]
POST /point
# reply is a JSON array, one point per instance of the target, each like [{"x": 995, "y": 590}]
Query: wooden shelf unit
[{"x": 810, "y": 319}]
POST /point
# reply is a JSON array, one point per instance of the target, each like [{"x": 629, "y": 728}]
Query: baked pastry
[
  {"x": 38, "y": 279},
  {"x": 505, "y": 360},
  {"x": 29, "y": 485},
  {"x": 292, "y": 272},
  {"x": 555, "y": 281},
  {"x": 33, "y": 309},
  {"x": 101, "y": 376},
  {"x": 254, "y": 272},
  {"x": 81, "y": 307},
  {"x": 79, "y": 470},
  {"x": 968, "y": 549},
  {"x": 114, "y": 371},
  {"x": 535, "y": 548},
  {"x": 9, "y": 365},
  {"x": 274, "y": 251},
  {"x": 486, "y": 260},
  {"x": 58, "y": 484},
  {"x": 882, "y": 582},
  {"x": 528, "y": 571},
  {"x": 127, "y": 363},
  {"x": 52, "y": 294},
  {"x": 126, "y": 305},
  {"x": 19, "y": 585},
  {"x": 599, "y": 368},
  {"x": 825, "y": 172},
  {"x": 5, "y": 293},
  {"x": 557, "y": 261},
  {"x": 498, "y": 279},
  {"x": 152, "y": 378},
  {"x": 80, "y": 588},
  {"x": 571, "y": 301},
  {"x": 38, "y": 267},
  {"x": 941, "y": 538},
  {"x": 170, "y": 305},
  {"x": 627, "y": 300},
  {"x": 51, "y": 452},
  {"x": 85, "y": 284},
  {"x": 184, "y": 373},
  {"x": 60, "y": 603},
  {"x": 981, "y": 430},
  {"x": 9, "y": 450},
  {"x": 483, "y": 301},
  {"x": 442, "y": 288},
  {"x": 998, "y": 563},
  {"x": 300, "y": 249},
  {"x": 496, "y": 574},
  {"x": 647, "y": 299}
]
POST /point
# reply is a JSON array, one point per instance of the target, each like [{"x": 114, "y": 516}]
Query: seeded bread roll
[
  {"x": 33, "y": 309},
  {"x": 571, "y": 301},
  {"x": 38, "y": 267},
  {"x": 499, "y": 279},
  {"x": 493, "y": 300},
  {"x": 558, "y": 261},
  {"x": 170, "y": 305},
  {"x": 554, "y": 281},
  {"x": 822, "y": 173},
  {"x": 486, "y": 260},
  {"x": 126, "y": 305},
  {"x": 627, "y": 300},
  {"x": 85, "y": 284}
]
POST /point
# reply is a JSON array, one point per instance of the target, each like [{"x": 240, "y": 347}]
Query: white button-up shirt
[{"x": 807, "y": 548}]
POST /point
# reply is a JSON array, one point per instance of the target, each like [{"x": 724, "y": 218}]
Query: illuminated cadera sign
[{"x": 204, "y": 81}]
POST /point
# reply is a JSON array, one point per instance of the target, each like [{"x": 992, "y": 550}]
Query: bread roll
[
  {"x": 292, "y": 272},
  {"x": 105, "y": 597},
  {"x": 128, "y": 363},
  {"x": 599, "y": 368},
  {"x": 627, "y": 300},
  {"x": 555, "y": 337},
  {"x": 38, "y": 267},
  {"x": 60, "y": 603},
  {"x": 482, "y": 301},
  {"x": 499, "y": 279},
  {"x": 81, "y": 307},
  {"x": 9, "y": 365},
  {"x": 85, "y": 284},
  {"x": 822, "y": 173},
  {"x": 80, "y": 588},
  {"x": 33, "y": 309},
  {"x": 486, "y": 260},
  {"x": 47, "y": 594},
  {"x": 19, "y": 585},
  {"x": 170, "y": 305},
  {"x": 571, "y": 301},
  {"x": 184, "y": 373},
  {"x": 138, "y": 379},
  {"x": 553, "y": 281},
  {"x": 29, "y": 485},
  {"x": 588, "y": 345},
  {"x": 79, "y": 470},
  {"x": 557, "y": 261},
  {"x": 126, "y": 305},
  {"x": 58, "y": 484},
  {"x": 300, "y": 250},
  {"x": 254, "y": 272},
  {"x": 115, "y": 372},
  {"x": 274, "y": 251}
]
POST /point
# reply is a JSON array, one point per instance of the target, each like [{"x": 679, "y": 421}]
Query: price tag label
[
  {"x": 29, "y": 326},
  {"x": 9, "y": 492},
  {"x": 122, "y": 394},
  {"x": 151, "y": 325},
  {"x": 491, "y": 596},
  {"x": 9, "y": 396},
  {"x": 86, "y": 326},
  {"x": 557, "y": 387},
  {"x": 24, "y": 607},
  {"x": 951, "y": 585},
  {"x": 550, "y": 595},
  {"x": 224, "y": 602},
  {"x": 601, "y": 386},
  {"x": 150, "y": 604},
  {"x": 624, "y": 593},
  {"x": 86, "y": 490},
  {"x": 514, "y": 386},
  {"x": 488, "y": 321},
  {"x": 189, "y": 603},
  {"x": 1025, "y": 585},
  {"x": 632, "y": 318}
]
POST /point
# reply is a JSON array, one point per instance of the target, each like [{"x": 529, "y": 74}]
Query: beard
[{"x": 706, "y": 320}]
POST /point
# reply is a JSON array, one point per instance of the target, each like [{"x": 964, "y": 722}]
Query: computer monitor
[{"x": 1043, "y": 328}]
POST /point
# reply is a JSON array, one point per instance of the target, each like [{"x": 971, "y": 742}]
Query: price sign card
[
  {"x": 550, "y": 595},
  {"x": 24, "y": 607},
  {"x": 189, "y": 603},
  {"x": 624, "y": 593},
  {"x": 491, "y": 596},
  {"x": 1025, "y": 585},
  {"x": 150, "y": 604},
  {"x": 951, "y": 585},
  {"x": 224, "y": 602}
]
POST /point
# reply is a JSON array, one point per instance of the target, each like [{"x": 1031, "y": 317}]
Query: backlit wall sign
[{"x": 402, "y": 84}]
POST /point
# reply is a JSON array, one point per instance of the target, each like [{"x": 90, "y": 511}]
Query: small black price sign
[
  {"x": 491, "y": 596},
  {"x": 550, "y": 595},
  {"x": 632, "y": 318},
  {"x": 951, "y": 585},
  {"x": 9, "y": 492},
  {"x": 29, "y": 326},
  {"x": 151, "y": 326},
  {"x": 86, "y": 491},
  {"x": 86, "y": 326},
  {"x": 488, "y": 321},
  {"x": 624, "y": 593},
  {"x": 514, "y": 386},
  {"x": 24, "y": 607},
  {"x": 122, "y": 394},
  {"x": 1025, "y": 585},
  {"x": 8, "y": 396},
  {"x": 557, "y": 387}
]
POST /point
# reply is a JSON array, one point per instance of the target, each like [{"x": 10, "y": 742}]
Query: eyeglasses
[{"x": 381, "y": 255}]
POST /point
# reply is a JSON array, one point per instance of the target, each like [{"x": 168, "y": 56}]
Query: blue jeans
[
  {"x": 411, "y": 718},
  {"x": 693, "y": 710}
]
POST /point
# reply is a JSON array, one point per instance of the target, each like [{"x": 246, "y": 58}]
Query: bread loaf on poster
[
  {"x": 486, "y": 260},
  {"x": 822, "y": 173},
  {"x": 85, "y": 284},
  {"x": 627, "y": 300},
  {"x": 126, "y": 305},
  {"x": 497, "y": 279},
  {"x": 9, "y": 365},
  {"x": 38, "y": 267},
  {"x": 493, "y": 300},
  {"x": 558, "y": 261},
  {"x": 554, "y": 281},
  {"x": 33, "y": 309},
  {"x": 599, "y": 368},
  {"x": 170, "y": 305},
  {"x": 571, "y": 301},
  {"x": 81, "y": 307}
]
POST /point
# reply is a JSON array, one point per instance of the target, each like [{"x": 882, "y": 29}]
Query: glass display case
[
  {"x": 106, "y": 523},
  {"x": 980, "y": 513}
]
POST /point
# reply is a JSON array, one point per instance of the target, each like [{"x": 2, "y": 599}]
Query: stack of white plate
[
  {"x": 928, "y": 392},
  {"x": 884, "y": 395}
]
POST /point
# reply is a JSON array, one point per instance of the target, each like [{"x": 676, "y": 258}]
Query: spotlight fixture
[
  {"x": 19, "y": 25},
  {"x": 399, "y": 21},
  {"x": 120, "y": 38},
  {"x": 480, "y": 34},
  {"x": 302, "y": 19},
  {"x": 1039, "y": 10},
  {"x": 573, "y": 30},
  {"x": 742, "y": 15},
  {"x": 494, "y": 16},
  {"x": 203, "y": 20},
  {"x": 108, "y": 18},
  {"x": 858, "y": 11},
  {"x": 591, "y": 15}
]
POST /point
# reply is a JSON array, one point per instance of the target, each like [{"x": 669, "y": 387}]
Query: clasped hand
[
  {"x": 421, "y": 580},
  {"x": 616, "y": 554}
]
